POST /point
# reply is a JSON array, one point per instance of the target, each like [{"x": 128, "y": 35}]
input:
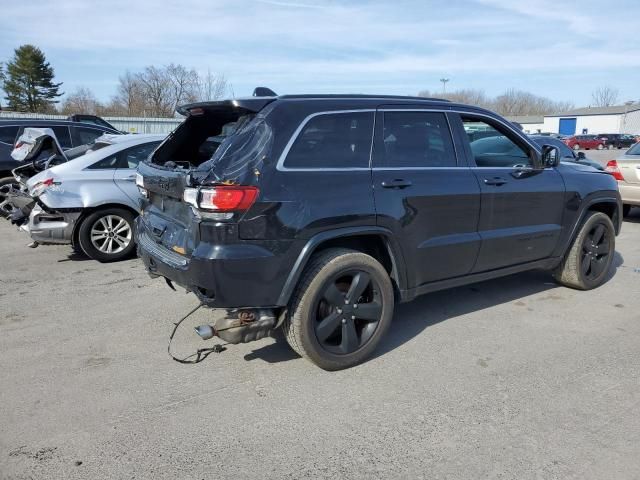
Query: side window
[
  {"x": 491, "y": 147},
  {"x": 131, "y": 157},
  {"x": 333, "y": 140},
  {"x": 110, "y": 162},
  {"x": 62, "y": 134},
  {"x": 84, "y": 135},
  {"x": 416, "y": 139},
  {"x": 8, "y": 135},
  {"x": 565, "y": 152}
]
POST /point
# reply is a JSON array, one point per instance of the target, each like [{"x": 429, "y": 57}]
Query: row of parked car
[
  {"x": 599, "y": 142},
  {"x": 315, "y": 214}
]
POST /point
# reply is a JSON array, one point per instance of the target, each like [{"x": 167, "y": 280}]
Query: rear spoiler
[{"x": 251, "y": 105}]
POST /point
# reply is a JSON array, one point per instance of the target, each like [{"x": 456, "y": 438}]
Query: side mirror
[
  {"x": 550, "y": 156},
  {"x": 581, "y": 156}
]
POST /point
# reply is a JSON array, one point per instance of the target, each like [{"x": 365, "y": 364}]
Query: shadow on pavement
[{"x": 410, "y": 319}]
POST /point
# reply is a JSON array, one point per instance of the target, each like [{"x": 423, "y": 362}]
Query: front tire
[
  {"x": 587, "y": 263},
  {"x": 340, "y": 310},
  {"x": 600, "y": 146},
  {"x": 107, "y": 235},
  {"x": 576, "y": 147}
]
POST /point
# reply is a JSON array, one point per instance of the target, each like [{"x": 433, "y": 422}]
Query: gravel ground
[{"x": 514, "y": 378}]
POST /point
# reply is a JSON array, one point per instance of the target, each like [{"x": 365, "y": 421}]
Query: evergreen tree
[{"x": 28, "y": 81}]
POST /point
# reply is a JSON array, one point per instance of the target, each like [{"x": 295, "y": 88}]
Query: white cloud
[{"x": 319, "y": 45}]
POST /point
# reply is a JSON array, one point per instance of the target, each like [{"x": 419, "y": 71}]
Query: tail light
[
  {"x": 613, "y": 169},
  {"x": 40, "y": 187},
  {"x": 223, "y": 198}
]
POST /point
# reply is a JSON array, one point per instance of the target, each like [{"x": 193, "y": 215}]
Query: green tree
[{"x": 28, "y": 81}]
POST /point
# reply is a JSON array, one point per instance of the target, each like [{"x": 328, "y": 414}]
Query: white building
[
  {"x": 595, "y": 120},
  {"x": 530, "y": 123}
]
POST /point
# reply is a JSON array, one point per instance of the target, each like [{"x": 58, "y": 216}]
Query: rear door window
[
  {"x": 62, "y": 134},
  {"x": 333, "y": 140},
  {"x": 84, "y": 135},
  {"x": 416, "y": 139},
  {"x": 8, "y": 134}
]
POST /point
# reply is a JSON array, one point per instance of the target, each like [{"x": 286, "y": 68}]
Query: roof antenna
[{"x": 264, "y": 92}]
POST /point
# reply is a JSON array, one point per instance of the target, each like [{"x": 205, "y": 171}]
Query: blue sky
[{"x": 559, "y": 49}]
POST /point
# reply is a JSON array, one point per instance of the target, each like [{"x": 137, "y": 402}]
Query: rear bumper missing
[
  {"x": 50, "y": 227},
  {"x": 244, "y": 274}
]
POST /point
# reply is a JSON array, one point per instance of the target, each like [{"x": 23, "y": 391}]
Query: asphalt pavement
[{"x": 514, "y": 378}]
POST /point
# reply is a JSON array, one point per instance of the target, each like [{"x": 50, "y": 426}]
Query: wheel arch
[
  {"x": 375, "y": 241},
  {"x": 89, "y": 210},
  {"x": 610, "y": 206}
]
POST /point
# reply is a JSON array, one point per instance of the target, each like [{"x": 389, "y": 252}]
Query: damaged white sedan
[{"x": 90, "y": 201}]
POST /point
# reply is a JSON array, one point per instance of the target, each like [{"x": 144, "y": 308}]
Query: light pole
[{"x": 444, "y": 84}]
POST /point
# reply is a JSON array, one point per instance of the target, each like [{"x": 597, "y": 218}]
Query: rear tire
[
  {"x": 327, "y": 327},
  {"x": 107, "y": 235},
  {"x": 3, "y": 182},
  {"x": 600, "y": 147},
  {"x": 576, "y": 147},
  {"x": 587, "y": 262}
]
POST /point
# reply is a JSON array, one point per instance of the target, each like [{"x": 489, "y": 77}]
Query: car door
[
  {"x": 125, "y": 173},
  {"x": 521, "y": 202},
  {"x": 424, "y": 194}
]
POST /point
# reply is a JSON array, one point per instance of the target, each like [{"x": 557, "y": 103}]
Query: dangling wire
[{"x": 201, "y": 353}]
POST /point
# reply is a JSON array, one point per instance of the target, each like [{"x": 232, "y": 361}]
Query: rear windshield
[
  {"x": 227, "y": 146},
  {"x": 635, "y": 150}
]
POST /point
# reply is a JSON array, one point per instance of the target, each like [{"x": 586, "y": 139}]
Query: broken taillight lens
[
  {"x": 40, "y": 187},
  {"x": 613, "y": 169}
]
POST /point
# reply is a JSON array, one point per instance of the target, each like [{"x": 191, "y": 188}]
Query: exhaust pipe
[
  {"x": 205, "y": 332},
  {"x": 240, "y": 326}
]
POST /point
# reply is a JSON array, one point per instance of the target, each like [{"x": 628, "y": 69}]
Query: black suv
[
  {"x": 617, "y": 140},
  {"x": 69, "y": 134},
  {"x": 317, "y": 213}
]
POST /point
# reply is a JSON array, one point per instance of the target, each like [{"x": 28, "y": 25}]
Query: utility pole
[{"x": 444, "y": 84}]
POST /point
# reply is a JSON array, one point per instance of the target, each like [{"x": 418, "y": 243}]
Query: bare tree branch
[{"x": 605, "y": 96}]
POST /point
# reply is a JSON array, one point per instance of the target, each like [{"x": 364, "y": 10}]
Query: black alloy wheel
[
  {"x": 595, "y": 252},
  {"x": 348, "y": 313}
]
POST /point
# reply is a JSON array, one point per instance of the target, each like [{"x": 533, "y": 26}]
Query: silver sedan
[{"x": 91, "y": 201}]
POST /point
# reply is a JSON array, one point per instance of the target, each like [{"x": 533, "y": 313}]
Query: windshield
[{"x": 635, "y": 150}]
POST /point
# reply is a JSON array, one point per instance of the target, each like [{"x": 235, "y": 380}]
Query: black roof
[
  {"x": 43, "y": 122},
  {"x": 255, "y": 104}
]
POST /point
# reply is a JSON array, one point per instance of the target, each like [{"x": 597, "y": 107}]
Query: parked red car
[{"x": 585, "y": 142}]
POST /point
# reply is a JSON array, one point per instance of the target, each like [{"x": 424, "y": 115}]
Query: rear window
[
  {"x": 333, "y": 140},
  {"x": 227, "y": 144},
  {"x": 240, "y": 155},
  {"x": 8, "y": 135}
]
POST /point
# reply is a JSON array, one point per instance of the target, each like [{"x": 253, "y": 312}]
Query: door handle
[
  {"x": 396, "y": 183},
  {"x": 497, "y": 181},
  {"x": 131, "y": 178}
]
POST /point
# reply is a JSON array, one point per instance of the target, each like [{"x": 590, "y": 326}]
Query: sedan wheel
[
  {"x": 576, "y": 147},
  {"x": 111, "y": 234},
  {"x": 600, "y": 146},
  {"x": 107, "y": 235}
]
